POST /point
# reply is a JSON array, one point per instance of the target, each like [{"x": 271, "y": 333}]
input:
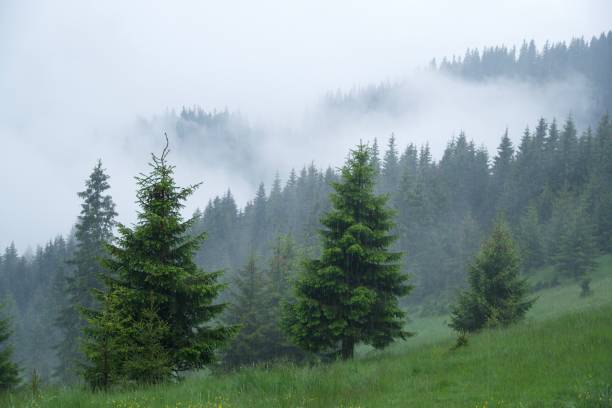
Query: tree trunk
[{"x": 348, "y": 345}]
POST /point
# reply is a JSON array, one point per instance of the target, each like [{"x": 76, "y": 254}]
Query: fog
[{"x": 79, "y": 79}]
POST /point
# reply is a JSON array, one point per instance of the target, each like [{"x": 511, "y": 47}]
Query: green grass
[{"x": 560, "y": 356}]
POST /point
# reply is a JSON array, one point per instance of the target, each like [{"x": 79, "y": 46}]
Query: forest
[{"x": 246, "y": 282}]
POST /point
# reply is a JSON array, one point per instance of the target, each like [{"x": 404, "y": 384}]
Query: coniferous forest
[{"x": 322, "y": 262}]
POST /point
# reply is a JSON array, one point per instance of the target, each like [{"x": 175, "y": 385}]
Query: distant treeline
[{"x": 590, "y": 59}]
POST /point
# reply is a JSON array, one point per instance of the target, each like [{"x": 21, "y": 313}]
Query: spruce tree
[
  {"x": 502, "y": 162},
  {"x": 122, "y": 349},
  {"x": 350, "y": 294},
  {"x": 9, "y": 373},
  {"x": 92, "y": 232},
  {"x": 497, "y": 294},
  {"x": 251, "y": 310},
  {"x": 390, "y": 167},
  {"x": 104, "y": 342},
  {"x": 502, "y": 172},
  {"x": 154, "y": 282},
  {"x": 577, "y": 248},
  {"x": 530, "y": 239},
  {"x": 375, "y": 158},
  {"x": 283, "y": 266},
  {"x": 282, "y": 271}
]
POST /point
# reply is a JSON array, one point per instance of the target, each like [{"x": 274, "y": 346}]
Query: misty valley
[{"x": 361, "y": 256}]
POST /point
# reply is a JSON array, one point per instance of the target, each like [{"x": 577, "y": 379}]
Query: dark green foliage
[
  {"x": 350, "y": 295},
  {"x": 375, "y": 158},
  {"x": 122, "y": 349},
  {"x": 103, "y": 343},
  {"x": 92, "y": 232},
  {"x": 251, "y": 310},
  {"x": 155, "y": 288},
  {"x": 282, "y": 272},
  {"x": 577, "y": 247},
  {"x": 462, "y": 340},
  {"x": 390, "y": 167},
  {"x": 530, "y": 240},
  {"x": 283, "y": 266},
  {"x": 257, "y": 298},
  {"x": 9, "y": 373},
  {"x": 497, "y": 294}
]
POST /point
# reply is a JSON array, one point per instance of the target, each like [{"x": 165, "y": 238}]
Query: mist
[{"x": 88, "y": 80}]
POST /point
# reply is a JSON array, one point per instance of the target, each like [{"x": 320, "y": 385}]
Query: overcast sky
[{"x": 75, "y": 73}]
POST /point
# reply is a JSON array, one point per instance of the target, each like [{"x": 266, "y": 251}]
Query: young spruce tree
[
  {"x": 350, "y": 295},
  {"x": 159, "y": 306},
  {"x": 93, "y": 232},
  {"x": 9, "y": 373},
  {"x": 497, "y": 294},
  {"x": 251, "y": 310},
  {"x": 578, "y": 249},
  {"x": 282, "y": 270}
]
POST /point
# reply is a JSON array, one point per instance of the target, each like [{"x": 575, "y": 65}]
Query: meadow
[{"x": 559, "y": 356}]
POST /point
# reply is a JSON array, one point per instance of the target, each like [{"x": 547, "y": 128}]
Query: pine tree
[
  {"x": 282, "y": 272},
  {"x": 350, "y": 295},
  {"x": 502, "y": 172},
  {"x": 375, "y": 158},
  {"x": 390, "y": 167},
  {"x": 251, "y": 310},
  {"x": 9, "y": 373},
  {"x": 105, "y": 343},
  {"x": 503, "y": 160},
  {"x": 154, "y": 282},
  {"x": 497, "y": 295},
  {"x": 283, "y": 265},
  {"x": 530, "y": 239},
  {"x": 568, "y": 152},
  {"x": 122, "y": 349},
  {"x": 577, "y": 248},
  {"x": 276, "y": 214},
  {"x": 92, "y": 232}
]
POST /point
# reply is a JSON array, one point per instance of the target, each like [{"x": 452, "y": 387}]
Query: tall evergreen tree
[
  {"x": 375, "y": 157},
  {"x": 390, "y": 167},
  {"x": 350, "y": 295},
  {"x": 251, "y": 310},
  {"x": 276, "y": 214},
  {"x": 260, "y": 226},
  {"x": 530, "y": 239},
  {"x": 502, "y": 172},
  {"x": 569, "y": 153},
  {"x": 155, "y": 283},
  {"x": 502, "y": 162},
  {"x": 577, "y": 248},
  {"x": 283, "y": 265},
  {"x": 93, "y": 232},
  {"x": 497, "y": 294},
  {"x": 9, "y": 373},
  {"x": 282, "y": 272}
]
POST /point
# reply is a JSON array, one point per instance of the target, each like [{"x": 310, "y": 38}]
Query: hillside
[{"x": 559, "y": 357}]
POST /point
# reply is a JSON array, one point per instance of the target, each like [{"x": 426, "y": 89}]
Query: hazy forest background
[{"x": 552, "y": 184}]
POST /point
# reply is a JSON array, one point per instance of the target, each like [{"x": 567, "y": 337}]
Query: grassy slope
[{"x": 560, "y": 356}]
